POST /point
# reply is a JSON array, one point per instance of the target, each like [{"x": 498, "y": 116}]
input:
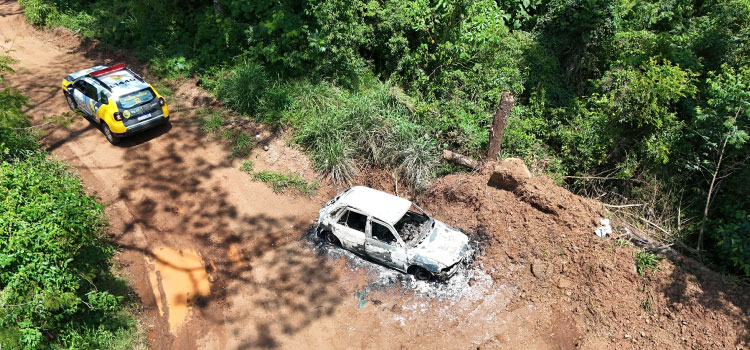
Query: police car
[{"x": 118, "y": 99}]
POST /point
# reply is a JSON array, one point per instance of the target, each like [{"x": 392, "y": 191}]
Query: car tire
[
  {"x": 71, "y": 102},
  {"x": 110, "y": 136},
  {"x": 331, "y": 239},
  {"x": 422, "y": 274}
]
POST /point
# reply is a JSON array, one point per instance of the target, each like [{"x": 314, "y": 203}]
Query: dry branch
[{"x": 622, "y": 206}]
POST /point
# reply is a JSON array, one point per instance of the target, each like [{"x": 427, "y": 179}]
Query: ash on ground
[
  {"x": 470, "y": 282},
  {"x": 471, "y": 298}
]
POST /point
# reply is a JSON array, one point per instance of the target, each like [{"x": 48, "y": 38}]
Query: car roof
[
  {"x": 82, "y": 72},
  {"x": 122, "y": 82},
  {"x": 381, "y": 205},
  {"x": 119, "y": 82}
]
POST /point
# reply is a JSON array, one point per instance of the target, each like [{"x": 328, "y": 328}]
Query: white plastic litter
[{"x": 603, "y": 230}]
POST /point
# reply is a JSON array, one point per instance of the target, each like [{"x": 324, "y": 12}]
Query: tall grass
[
  {"x": 248, "y": 89},
  {"x": 242, "y": 87},
  {"x": 340, "y": 129}
]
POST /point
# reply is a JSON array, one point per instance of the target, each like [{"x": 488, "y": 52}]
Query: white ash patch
[{"x": 469, "y": 297}]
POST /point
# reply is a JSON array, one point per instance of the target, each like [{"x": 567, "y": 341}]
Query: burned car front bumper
[{"x": 449, "y": 271}]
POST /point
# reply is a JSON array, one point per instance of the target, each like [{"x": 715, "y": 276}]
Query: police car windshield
[{"x": 136, "y": 98}]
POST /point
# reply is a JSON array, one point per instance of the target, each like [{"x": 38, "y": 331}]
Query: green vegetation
[
  {"x": 281, "y": 182},
  {"x": 165, "y": 87},
  {"x": 645, "y": 260},
  {"x": 247, "y": 166},
  {"x": 645, "y": 101},
  {"x": 241, "y": 143},
  {"x": 623, "y": 242},
  {"x": 57, "y": 287},
  {"x": 370, "y": 126},
  {"x": 647, "y": 305},
  {"x": 212, "y": 122},
  {"x": 64, "y": 119}
]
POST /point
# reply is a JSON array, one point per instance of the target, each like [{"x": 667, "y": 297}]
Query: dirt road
[{"x": 218, "y": 260}]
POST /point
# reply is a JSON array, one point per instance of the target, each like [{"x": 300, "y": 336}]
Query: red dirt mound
[{"x": 540, "y": 237}]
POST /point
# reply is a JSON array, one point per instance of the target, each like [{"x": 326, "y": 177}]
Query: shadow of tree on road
[
  {"x": 714, "y": 294},
  {"x": 273, "y": 285}
]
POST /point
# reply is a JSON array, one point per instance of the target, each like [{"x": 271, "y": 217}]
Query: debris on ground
[
  {"x": 604, "y": 229},
  {"x": 509, "y": 174}
]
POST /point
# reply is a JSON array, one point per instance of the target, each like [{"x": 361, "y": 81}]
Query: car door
[
  {"x": 383, "y": 245},
  {"x": 101, "y": 100},
  {"x": 350, "y": 229},
  {"x": 92, "y": 95},
  {"x": 79, "y": 95}
]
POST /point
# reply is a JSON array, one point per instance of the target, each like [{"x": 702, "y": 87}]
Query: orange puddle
[{"x": 183, "y": 277}]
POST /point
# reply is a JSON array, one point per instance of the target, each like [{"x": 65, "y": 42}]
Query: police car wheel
[
  {"x": 110, "y": 136},
  {"x": 71, "y": 102}
]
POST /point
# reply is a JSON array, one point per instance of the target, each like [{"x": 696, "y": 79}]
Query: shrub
[
  {"x": 731, "y": 234},
  {"x": 39, "y": 12},
  {"x": 54, "y": 262},
  {"x": 16, "y": 139},
  {"x": 247, "y": 89},
  {"x": 242, "y": 87}
]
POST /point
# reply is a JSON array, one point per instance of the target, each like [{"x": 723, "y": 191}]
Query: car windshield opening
[
  {"x": 136, "y": 98},
  {"x": 414, "y": 225}
]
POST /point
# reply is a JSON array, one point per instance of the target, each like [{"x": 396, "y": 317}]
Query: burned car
[{"x": 394, "y": 232}]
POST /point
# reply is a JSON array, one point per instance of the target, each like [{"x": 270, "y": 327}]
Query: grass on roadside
[
  {"x": 623, "y": 242},
  {"x": 211, "y": 121},
  {"x": 165, "y": 87},
  {"x": 247, "y": 166},
  {"x": 242, "y": 144},
  {"x": 280, "y": 182},
  {"x": 63, "y": 119}
]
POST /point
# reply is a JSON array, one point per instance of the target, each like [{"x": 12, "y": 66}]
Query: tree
[{"x": 722, "y": 125}]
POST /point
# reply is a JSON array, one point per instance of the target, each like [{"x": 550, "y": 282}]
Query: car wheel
[
  {"x": 110, "y": 136},
  {"x": 331, "y": 238},
  {"x": 422, "y": 274},
  {"x": 71, "y": 102}
]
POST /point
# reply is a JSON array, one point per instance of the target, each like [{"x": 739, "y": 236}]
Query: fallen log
[
  {"x": 460, "y": 159},
  {"x": 641, "y": 239}
]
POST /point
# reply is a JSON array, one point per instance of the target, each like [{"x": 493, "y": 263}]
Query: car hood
[{"x": 444, "y": 245}]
